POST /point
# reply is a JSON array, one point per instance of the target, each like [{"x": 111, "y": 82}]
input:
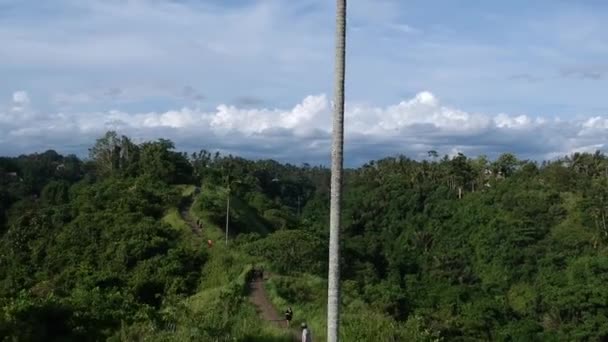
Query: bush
[
  {"x": 291, "y": 251},
  {"x": 212, "y": 205}
]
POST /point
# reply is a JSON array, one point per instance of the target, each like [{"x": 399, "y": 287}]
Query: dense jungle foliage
[{"x": 444, "y": 249}]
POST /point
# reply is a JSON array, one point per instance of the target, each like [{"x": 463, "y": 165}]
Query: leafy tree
[
  {"x": 291, "y": 251},
  {"x": 453, "y": 249},
  {"x": 112, "y": 154}
]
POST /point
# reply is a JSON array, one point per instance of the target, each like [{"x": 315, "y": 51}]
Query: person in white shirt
[{"x": 306, "y": 335}]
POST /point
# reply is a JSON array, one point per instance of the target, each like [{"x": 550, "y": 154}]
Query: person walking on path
[
  {"x": 288, "y": 315},
  {"x": 258, "y": 273},
  {"x": 306, "y": 335}
]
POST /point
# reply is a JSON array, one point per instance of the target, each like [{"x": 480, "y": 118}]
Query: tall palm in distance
[{"x": 333, "y": 289}]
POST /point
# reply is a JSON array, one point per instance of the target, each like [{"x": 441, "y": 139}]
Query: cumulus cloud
[{"x": 303, "y": 133}]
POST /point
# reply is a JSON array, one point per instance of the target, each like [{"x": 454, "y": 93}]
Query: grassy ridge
[
  {"x": 173, "y": 218},
  {"x": 225, "y": 280},
  {"x": 305, "y": 293},
  {"x": 223, "y": 289}
]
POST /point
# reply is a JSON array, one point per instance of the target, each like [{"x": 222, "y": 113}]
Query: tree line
[{"x": 463, "y": 248}]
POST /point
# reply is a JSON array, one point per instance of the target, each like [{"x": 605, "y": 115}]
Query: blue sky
[{"x": 72, "y": 68}]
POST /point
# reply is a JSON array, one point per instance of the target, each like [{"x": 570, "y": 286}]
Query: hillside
[{"x": 453, "y": 249}]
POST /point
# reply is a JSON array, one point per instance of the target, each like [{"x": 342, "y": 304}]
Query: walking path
[
  {"x": 257, "y": 293},
  {"x": 259, "y": 298},
  {"x": 184, "y": 211}
]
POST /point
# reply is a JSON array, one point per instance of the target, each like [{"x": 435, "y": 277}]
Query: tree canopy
[{"x": 453, "y": 248}]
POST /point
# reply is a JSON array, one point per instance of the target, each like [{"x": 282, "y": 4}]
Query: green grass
[
  {"x": 244, "y": 218},
  {"x": 221, "y": 306},
  {"x": 224, "y": 277},
  {"x": 224, "y": 274},
  {"x": 174, "y": 219},
  {"x": 309, "y": 308},
  {"x": 186, "y": 190},
  {"x": 307, "y": 295},
  {"x": 210, "y": 230}
]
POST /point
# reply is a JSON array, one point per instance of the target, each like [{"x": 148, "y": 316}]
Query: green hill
[{"x": 453, "y": 249}]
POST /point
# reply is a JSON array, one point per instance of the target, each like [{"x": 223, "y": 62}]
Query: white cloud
[
  {"x": 596, "y": 123},
  {"x": 506, "y": 121},
  {"x": 20, "y": 101},
  {"x": 21, "y": 98},
  {"x": 303, "y": 133},
  {"x": 283, "y": 49}
]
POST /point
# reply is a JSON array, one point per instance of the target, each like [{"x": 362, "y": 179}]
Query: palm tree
[
  {"x": 333, "y": 290},
  {"x": 228, "y": 189}
]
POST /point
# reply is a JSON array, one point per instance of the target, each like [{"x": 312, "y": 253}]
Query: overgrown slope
[{"x": 455, "y": 249}]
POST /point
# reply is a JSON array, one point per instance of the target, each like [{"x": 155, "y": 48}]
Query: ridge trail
[{"x": 257, "y": 293}]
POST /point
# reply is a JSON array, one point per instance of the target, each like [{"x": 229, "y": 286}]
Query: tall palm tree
[{"x": 333, "y": 290}]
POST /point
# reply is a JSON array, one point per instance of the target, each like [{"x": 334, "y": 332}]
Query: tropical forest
[{"x": 141, "y": 242}]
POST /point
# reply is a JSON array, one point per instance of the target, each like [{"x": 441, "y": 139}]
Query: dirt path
[
  {"x": 259, "y": 298},
  {"x": 257, "y": 293},
  {"x": 184, "y": 211}
]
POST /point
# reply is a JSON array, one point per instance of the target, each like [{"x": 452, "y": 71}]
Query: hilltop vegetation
[{"x": 453, "y": 248}]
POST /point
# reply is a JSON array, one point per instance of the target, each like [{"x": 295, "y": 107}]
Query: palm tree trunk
[
  {"x": 227, "y": 213},
  {"x": 333, "y": 291}
]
